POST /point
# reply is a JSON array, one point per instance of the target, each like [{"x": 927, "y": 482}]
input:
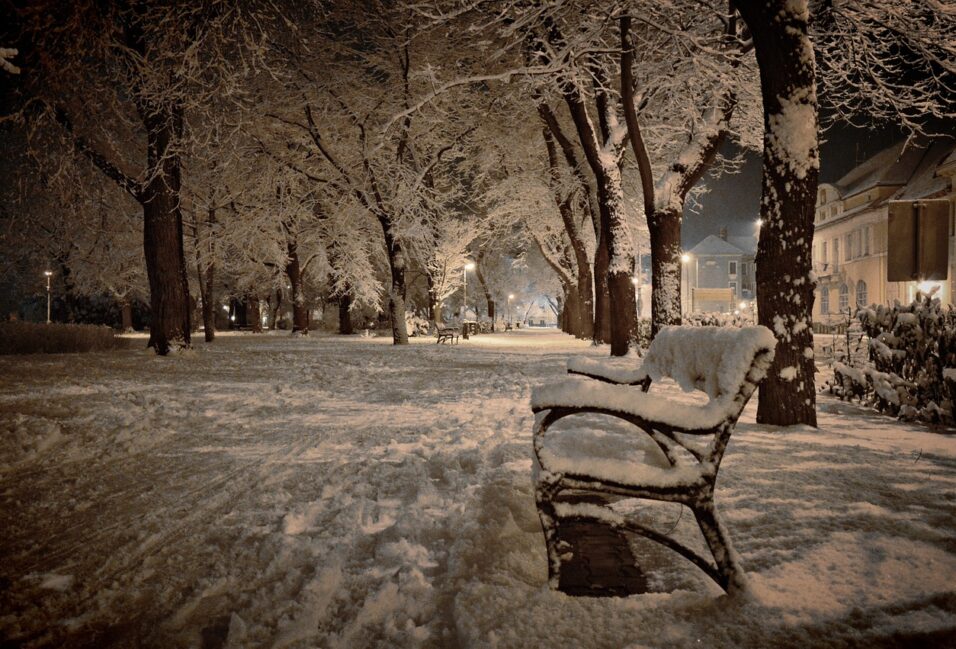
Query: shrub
[
  {"x": 715, "y": 319},
  {"x": 36, "y": 338},
  {"x": 909, "y": 371}
]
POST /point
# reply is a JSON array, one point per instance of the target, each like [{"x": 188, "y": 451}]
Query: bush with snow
[
  {"x": 911, "y": 367},
  {"x": 37, "y": 338},
  {"x": 716, "y": 319}
]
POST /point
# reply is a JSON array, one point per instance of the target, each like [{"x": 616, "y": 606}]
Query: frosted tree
[
  {"x": 881, "y": 59},
  {"x": 349, "y": 103},
  {"x": 120, "y": 82},
  {"x": 686, "y": 70}
]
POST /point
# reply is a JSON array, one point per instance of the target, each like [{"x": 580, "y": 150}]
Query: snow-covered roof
[
  {"x": 924, "y": 181},
  {"x": 896, "y": 165},
  {"x": 747, "y": 244},
  {"x": 714, "y": 245}
]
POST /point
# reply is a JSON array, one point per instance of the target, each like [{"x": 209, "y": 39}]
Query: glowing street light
[
  {"x": 49, "y": 294},
  {"x": 743, "y": 306},
  {"x": 759, "y": 223},
  {"x": 685, "y": 258},
  {"x": 511, "y": 296}
]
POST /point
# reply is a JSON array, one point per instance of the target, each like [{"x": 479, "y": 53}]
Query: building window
[
  {"x": 836, "y": 252},
  {"x": 823, "y": 252},
  {"x": 733, "y": 288},
  {"x": 861, "y": 293},
  {"x": 824, "y": 300},
  {"x": 848, "y": 247},
  {"x": 865, "y": 233},
  {"x": 844, "y": 298},
  {"x": 732, "y": 267}
]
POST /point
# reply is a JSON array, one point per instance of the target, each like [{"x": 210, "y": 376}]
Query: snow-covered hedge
[
  {"x": 416, "y": 325},
  {"x": 715, "y": 319},
  {"x": 911, "y": 366},
  {"x": 36, "y": 338}
]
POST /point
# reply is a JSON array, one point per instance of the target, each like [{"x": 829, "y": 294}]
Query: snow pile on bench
[{"x": 712, "y": 359}]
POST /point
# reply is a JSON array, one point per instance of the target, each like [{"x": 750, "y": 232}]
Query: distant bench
[{"x": 446, "y": 334}]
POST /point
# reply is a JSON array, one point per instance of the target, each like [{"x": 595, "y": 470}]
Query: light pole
[
  {"x": 637, "y": 287},
  {"x": 511, "y": 296},
  {"x": 464, "y": 298},
  {"x": 49, "y": 294},
  {"x": 684, "y": 258}
]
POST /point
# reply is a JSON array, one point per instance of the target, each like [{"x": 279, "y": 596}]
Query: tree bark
[
  {"x": 126, "y": 315},
  {"x": 790, "y": 173},
  {"x": 206, "y": 281},
  {"x": 345, "y": 315},
  {"x": 253, "y": 313},
  {"x": 584, "y": 302},
  {"x": 664, "y": 227},
  {"x": 275, "y": 307},
  {"x": 397, "y": 290},
  {"x": 300, "y": 313},
  {"x": 163, "y": 233}
]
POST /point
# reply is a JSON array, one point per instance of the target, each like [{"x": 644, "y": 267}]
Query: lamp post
[
  {"x": 49, "y": 294},
  {"x": 637, "y": 287},
  {"x": 685, "y": 281},
  {"x": 511, "y": 296},
  {"x": 464, "y": 298}
]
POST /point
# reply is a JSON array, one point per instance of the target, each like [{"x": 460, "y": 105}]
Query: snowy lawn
[{"x": 268, "y": 491}]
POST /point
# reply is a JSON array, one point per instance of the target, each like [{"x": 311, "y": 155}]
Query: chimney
[{"x": 723, "y": 233}]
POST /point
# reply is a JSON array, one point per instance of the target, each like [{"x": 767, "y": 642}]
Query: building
[
  {"x": 850, "y": 240},
  {"x": 719, "y": 274}
]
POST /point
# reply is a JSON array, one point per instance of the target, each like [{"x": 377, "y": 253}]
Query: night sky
[{"x": 734, "y": 199}]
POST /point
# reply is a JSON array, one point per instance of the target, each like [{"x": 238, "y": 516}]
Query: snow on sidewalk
[{"x": 266, "y": 491}]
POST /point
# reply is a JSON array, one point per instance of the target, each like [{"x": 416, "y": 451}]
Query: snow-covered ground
[{"x": 268, "y": 491}]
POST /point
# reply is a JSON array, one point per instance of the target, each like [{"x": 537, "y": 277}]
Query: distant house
[
  {"x": 850, "y": 240},
  {"x": 719, "y": 273}
]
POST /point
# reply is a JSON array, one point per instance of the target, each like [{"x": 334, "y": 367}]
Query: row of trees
[{"x": 343, "y": 146}]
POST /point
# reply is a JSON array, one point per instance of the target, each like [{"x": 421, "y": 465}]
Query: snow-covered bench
[
  {"x": 580, "y": 471},
  {"x": 448, "y": 334}
]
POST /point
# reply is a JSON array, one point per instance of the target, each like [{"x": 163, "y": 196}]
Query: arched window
[
  {"x": 844, "y": 298},
  {"x": 861, "y": 293},
  {"x": 824, "y": 300}
]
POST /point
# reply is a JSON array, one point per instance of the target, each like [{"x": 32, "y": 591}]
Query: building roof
[
  {"x": 898, "y": 165},
  {"x": 714, "y": 245},
  {"x": 924, "y": 181},
  {"x": 747, "y": 244}
]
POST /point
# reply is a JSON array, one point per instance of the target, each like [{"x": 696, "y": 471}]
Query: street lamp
[
  {"x": 49, "y": 294},
  {"x": 685, "y": 283},
  {"x": 511, "y": 296},
  {"x": 464, "y": 297}
]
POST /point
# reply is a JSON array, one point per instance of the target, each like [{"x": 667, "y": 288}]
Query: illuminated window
[
  {"x": 844, "y": 298},
  {"x": 861, "y": 293},
  {"x": 825, "y": 300}
]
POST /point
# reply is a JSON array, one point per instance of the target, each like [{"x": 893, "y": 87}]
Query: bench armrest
[{"x": 617, "y": 371}]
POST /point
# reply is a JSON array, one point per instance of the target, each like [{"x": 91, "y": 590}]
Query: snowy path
[{"x": 338, "y": 492}]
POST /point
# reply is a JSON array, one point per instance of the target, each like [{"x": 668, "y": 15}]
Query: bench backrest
[{"x": 715, "y": 360}]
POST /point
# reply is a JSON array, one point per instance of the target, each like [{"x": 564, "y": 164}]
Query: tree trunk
[
  {"x": 620, "y": 264},
  {"x": 163, "y": 235},
  {"x": 584, "y": 327},
  {"x": 300, "y": 314},
  {"x": 254, "y": 314},
  {"x": 345, "y": 315},
  {"x": 206, "y": 280},
  {"x": 665, "y": 228},
  {"x": 602, "y": 298},
  {"x": 275, "y": 307},
  {"x": 571, "y": 320},
  {"x": 790, "y": 172},
  {"x": 489, "y": 300},
  {"x": 396, "y": 293},
  {"x": 434, "y": 305},
  {"x": 126, "y": 315}
]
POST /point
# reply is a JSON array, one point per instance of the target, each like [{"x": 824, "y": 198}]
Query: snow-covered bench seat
[{"x": 675, "y": 453}]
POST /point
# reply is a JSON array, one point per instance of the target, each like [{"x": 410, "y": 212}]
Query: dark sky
[{"x": 734, "y": 199}]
